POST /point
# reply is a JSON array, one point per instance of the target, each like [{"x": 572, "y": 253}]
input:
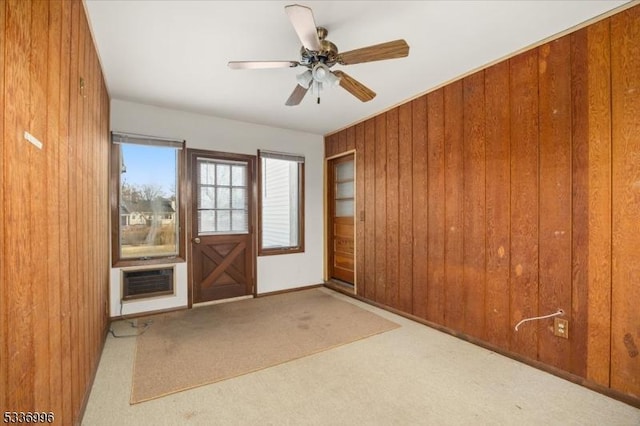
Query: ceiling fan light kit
[
  {"x": 305, "y": 79},
  {"x": 319, "y": 55}
]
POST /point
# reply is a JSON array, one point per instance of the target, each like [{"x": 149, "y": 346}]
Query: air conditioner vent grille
[{"x": 147, "y": 283}]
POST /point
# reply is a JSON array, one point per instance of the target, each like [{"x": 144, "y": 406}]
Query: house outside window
[
  {"x": 281, "y": 203},
  {"x": 146, "y": 199}
]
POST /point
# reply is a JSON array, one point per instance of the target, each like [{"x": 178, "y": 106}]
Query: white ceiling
[{"x": 175, "y": 53}]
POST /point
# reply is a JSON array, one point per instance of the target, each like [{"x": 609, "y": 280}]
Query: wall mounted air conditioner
[{"x": 148, "y": 282}]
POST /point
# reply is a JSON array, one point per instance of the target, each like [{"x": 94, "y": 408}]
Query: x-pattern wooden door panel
[
  {"x": 223, "y": 269},
  {"x": 222, "y": 258}
]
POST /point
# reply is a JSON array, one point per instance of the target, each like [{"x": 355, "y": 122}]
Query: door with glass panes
[
  {"x": 222, "y": 257},
  {"x": 341, "y": 195}
]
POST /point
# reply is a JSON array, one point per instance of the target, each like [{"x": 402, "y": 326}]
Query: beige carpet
[{"x": 187, "y": 349}]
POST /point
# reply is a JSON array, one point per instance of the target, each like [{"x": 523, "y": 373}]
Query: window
[
  {"x": 281, "y": 203},
  {"x": 146, "y": 205}
]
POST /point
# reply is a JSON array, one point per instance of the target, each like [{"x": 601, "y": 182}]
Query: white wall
[{"x": 274, "y": 273}]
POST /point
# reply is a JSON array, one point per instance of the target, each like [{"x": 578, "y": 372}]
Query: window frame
[
  {"x": 231, "y": 160},
  {"x": 301, "y": 201},
  {"x": 115, "y": 183}
]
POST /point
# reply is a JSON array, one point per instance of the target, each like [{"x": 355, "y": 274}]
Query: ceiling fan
[{"x": 318, "y": 55}]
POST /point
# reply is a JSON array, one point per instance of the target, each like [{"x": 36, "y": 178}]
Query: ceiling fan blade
[
  {"x": 354, "y": 87},
  {"x": 301, "y": 18},
  {"x": 252, "y": 65},
  {"x": 296, "y": 96},
  {"x": 378, "y": 52}
]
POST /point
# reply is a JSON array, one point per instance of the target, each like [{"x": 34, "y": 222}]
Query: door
[
  {"x": 222, "y": 257},
  {"x": 341, "y": 197}
]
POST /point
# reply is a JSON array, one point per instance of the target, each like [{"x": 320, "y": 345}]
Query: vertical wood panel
[
  {"x": 80, "y": 172},
  {"x": 102, "y": 213},
  {"x": 90, "y": 203},
  {"x": 53, "y": 211},
  {"x": 498, "y": 197},
  {"x": 454, "y": 187},
  {"x": 370, "y": 209},
  {"x": 17, "y": 154},
  {"x": 94, "y": 203},
  {"x": 420, "y": 206},
  {"x": 50, "y": 349},
  {"x": 102, "y": 207},
  {"x": 88, "y": 187},
  {"x": 38, "y": 210},
  {"x": 391, "y": 296},
  {"x": 94, "y": 329},
  {"x": 342, "y": 142},
  {"x": 329, "y": 145},
  {"x": 104, "y": 154},
  {"x": 89, "y": 200},
  {"x": 350, "y": 138},
  {"x": 360, "y": 242},
  {"x": 474, "y": 205},
  {"x": 436, "y": 207},
  {"x": 3, "y": 278},
  {"x": 105, "y": 113},
  {"x": 554, "y": 78},
  {"x": 580, "y": 203},
  {"x": 381, "y": 208},
  {"x": 63, "y": 188},
  {"x": 73, "y": 229},
  {"x": 405, "y": 209},
  {"x": 625, "y": 315},
  {"x": 524, "y": 200},
  {"x": 591, "y": 294}
]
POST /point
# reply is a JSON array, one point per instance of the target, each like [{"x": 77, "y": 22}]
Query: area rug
[{"x": 186, "y": 349}]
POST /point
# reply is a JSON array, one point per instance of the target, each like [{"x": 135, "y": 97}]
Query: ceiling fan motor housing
[{"x": 328, "y": 53}]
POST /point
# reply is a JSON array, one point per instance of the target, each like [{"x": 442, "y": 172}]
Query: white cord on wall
[{"x": 555, "y": 314}]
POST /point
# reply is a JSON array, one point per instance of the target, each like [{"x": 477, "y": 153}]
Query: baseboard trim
[
  {"x": 611, "y": 393},
  {"x": 146, "y": 313}
]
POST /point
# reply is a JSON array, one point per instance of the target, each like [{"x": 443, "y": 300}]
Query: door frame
[
  {"x": 325, "y": 239},
  {"x": 252, "y": 162}
]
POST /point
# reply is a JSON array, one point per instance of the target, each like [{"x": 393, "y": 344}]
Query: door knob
[{"x": 196, "y": 240}]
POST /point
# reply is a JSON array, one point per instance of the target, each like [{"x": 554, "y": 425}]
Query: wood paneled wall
[
  {"x": 511, "y": 193},
  {"x": 54, "y": 217}
]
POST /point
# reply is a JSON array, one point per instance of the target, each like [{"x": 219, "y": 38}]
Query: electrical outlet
[{"x": 561, "y": 327}]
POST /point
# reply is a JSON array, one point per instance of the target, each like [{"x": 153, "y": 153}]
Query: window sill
[
  {"x": 273, "y": 252},
  {"x": 123, "y": 263}
]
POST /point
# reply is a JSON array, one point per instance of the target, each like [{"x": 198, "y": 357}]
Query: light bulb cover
[
  {"x": 331, "y": 79},
  {"x": 320, "y": 72},
  {"x": 305, "y": 79}
]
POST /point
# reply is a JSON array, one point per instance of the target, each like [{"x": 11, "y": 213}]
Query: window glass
[
  {"x": 344, "y": 189},
  {"x": 223, "y": 206},
  {"x": 148, "y": 201},
  {"x": 281, "y": 196}
]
